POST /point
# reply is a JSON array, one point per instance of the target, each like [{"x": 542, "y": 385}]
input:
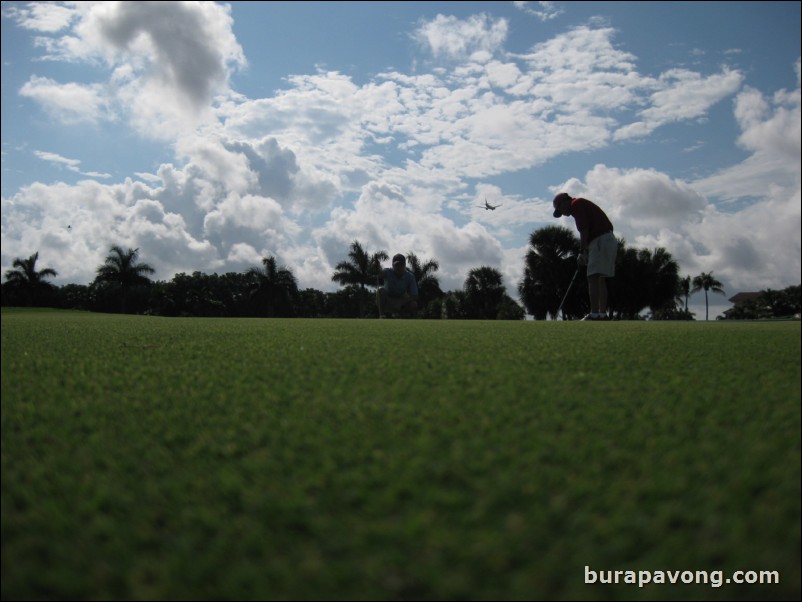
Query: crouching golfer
[
  {"x": 598, "y": 247},
  {"x": 399, "y": 295}
]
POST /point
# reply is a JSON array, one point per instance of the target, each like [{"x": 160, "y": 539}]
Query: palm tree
[
  {"x": 428, "y": 285},
  {"x": 631, "y": 291},
  {"x": 362, "y": 269},
  {"x": 276, "y": 286},
  {"x": 684, "y": 290},
  {"x": 664, "y": 276},
  {"x": 121, "y": 269},
  {"x": 27, "y": 280},
  {"x": 707, "y": 282},
  {"x": 484, "y": 292},
  {"x": 549, "y": 266}
]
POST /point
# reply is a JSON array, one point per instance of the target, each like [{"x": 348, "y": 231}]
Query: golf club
[{"x": 559, "y": 309}]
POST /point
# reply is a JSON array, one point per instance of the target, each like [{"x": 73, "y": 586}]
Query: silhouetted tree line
[
  {"x": 645, "y": 279},
  {"x": 769, "y": 304},
  {"x": 122, "y": 286}
]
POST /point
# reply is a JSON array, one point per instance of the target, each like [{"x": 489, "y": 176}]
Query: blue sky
[{"x": 210, "y": 135}]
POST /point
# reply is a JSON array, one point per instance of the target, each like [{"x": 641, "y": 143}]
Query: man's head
[
  {"x": 562, "y": 204},
  {"x": 399, "y": 263}
]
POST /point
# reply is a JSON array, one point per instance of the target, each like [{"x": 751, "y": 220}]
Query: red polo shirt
[{"x": 590, "y": 218}]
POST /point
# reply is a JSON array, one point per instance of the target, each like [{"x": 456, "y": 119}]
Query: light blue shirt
[{"x": 397, "y": 286}]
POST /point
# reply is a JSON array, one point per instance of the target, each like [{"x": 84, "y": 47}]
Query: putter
[{"x": 559, "y": 309}]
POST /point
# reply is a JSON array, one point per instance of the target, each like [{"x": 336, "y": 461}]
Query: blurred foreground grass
[{"x": 152, "y": 458}]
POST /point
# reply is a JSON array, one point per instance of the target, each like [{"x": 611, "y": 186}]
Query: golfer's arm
[
  {"x": 583, "y": 241},
  {"x": 412, "y": 289}
]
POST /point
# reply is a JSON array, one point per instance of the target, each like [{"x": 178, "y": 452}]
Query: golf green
[{"x": 155, "y": 458}]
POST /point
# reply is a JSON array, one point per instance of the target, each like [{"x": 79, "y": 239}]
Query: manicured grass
[{"x": 154, "y": 458}]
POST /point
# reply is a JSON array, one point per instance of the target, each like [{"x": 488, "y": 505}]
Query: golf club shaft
[{"x": 565, "y": 296}]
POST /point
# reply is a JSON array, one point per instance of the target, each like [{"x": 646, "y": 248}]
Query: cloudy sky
[{"x": 210, "y": 135}]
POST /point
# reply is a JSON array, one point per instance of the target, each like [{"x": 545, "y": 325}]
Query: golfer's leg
[
  {"x": 593, "y": 289},
  {"x": 410, "y": 307},
  {"x": 603, "y": 295}
]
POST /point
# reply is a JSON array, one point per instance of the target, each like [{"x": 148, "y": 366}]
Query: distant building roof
[{"x": 741, "y": 297}]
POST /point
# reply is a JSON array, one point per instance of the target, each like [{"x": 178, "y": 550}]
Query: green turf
[{"x": 155, "y": 458}]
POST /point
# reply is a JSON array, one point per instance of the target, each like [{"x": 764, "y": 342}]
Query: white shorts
[{"x": 601, "y": 255}]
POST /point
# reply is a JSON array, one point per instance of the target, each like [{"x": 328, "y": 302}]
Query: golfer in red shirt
[{"x": 599, "y": 247}]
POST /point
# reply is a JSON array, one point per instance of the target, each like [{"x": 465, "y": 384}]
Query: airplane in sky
[{"x": 489, "y": 206}]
